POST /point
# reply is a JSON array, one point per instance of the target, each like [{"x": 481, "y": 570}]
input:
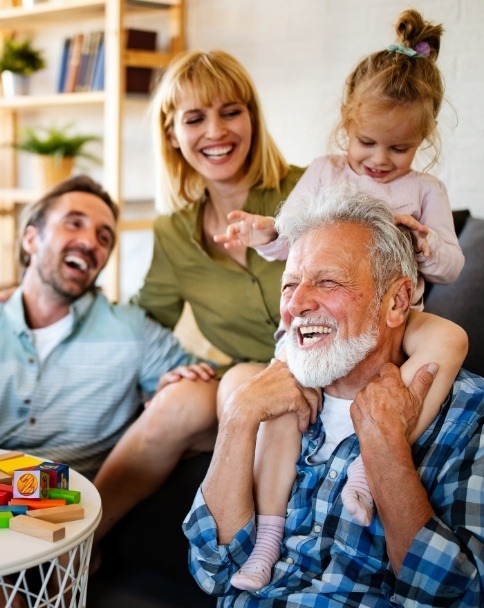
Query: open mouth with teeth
[
  {"x": 376, "y": 172},
  {"x": 76, "y": 262},
  {"x": 310, "y": 334},
  {"x": 218, "y": 152}
]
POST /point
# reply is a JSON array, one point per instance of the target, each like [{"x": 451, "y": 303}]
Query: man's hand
[
  {"x": 272, "y": 393},
  {"x": 384, "y": 415},
  {"x": 387, "y": 406}
]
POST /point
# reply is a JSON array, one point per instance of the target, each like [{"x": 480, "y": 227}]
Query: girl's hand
[
  {"x": 195, "y": 371},
  {"x": 247, "y": 230},
  {"x": 419, "y": 233}
]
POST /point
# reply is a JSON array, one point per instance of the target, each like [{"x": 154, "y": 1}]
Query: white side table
[{"x": 62, "y": 566}]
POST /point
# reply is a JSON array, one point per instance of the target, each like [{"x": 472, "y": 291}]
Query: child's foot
[
  {"x": 356, "y": 494},
  {"x": 256, "y": 572}
]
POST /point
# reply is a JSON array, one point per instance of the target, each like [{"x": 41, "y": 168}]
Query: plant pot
[
  {"x": 14, "y": 84},
  {"x": 50, "y": 170}
]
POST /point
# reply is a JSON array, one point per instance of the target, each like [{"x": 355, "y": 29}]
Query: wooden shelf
[
  {"x": 114, "y": 15},
  {"x": 56, "y": 12},
  {"x": 29, "y": 102}
]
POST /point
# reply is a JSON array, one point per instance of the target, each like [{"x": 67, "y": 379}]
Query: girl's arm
[{"x": 429, "y": 338}]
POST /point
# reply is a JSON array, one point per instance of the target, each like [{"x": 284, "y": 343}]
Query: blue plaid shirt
[{"x": 328, "y": 560}]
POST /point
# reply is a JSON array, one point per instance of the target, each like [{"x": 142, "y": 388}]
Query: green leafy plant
[
  {"x": 55, "y": 141},
  {"x": 20, "y": 57}
]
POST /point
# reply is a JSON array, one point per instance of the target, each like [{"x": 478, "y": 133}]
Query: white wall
[{"x": 299, "y": 53}]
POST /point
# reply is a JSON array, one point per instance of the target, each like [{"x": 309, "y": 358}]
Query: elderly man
[{"x": 350, "y": 266}]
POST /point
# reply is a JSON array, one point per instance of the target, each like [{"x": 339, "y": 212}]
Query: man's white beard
[{"x": 321, "y": 366}]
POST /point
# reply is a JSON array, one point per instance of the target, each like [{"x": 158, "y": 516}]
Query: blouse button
[
  {"x": 289, "y": 560},
  {"x": 317, "y": 529},
  {"x": 333, "y": 474}
]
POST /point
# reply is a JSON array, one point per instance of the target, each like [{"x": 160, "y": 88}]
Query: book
[
  {"x": 138, "y": 80},
  {"x": 90, "y": 64},
  {"x": 73, "y": 62},
  {"x": 97, "y": 82},
  {"x": 63, "y": 65},
  {"x": 83, "y": 59}
]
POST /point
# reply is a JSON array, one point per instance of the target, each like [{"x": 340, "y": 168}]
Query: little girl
[{"x": 389, "y": 110}]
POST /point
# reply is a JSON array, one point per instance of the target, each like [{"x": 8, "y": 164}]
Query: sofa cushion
[{"x": 463, "y": 300}]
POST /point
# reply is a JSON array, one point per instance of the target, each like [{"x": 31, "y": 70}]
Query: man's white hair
[{"x": 391, "y": 250}]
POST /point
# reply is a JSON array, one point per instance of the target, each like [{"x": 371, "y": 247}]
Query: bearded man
[{"x": 352, "y": 269}]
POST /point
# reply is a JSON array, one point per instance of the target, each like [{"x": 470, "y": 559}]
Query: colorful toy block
[
  {"x": 6, "y": 491},
  {"x": 5, "y": 517},
  {"x": 10, "y": 455},
  {"x": 14, "y": 509},
  {"x": 71, "y": 496},
  {"x": 38, "y": 503},
  {"x": 58, "y": 474},
  {"x": 21, "y": 462},
  {"x": 30, "y": 483}
]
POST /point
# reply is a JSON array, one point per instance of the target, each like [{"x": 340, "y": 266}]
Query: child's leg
[
  {"x": 428, "y": 339},
  {"x": 356, "y": 494},
  {"x": 278, "y": 446}
]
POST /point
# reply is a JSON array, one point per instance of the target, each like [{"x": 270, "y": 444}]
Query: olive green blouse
[{"x": 236, "y": 308}]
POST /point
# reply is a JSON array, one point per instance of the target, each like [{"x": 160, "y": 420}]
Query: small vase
[
  {"x": 14, "y": 84},
  {"x": 50, "y": 170}
]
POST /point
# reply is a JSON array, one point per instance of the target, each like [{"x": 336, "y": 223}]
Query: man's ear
[
  {"x": 399, "y": 301},
  {"x": 29, "y": 239}
]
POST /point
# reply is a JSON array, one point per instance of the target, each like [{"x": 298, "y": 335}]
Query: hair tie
[{"x": 422, "y": 49}]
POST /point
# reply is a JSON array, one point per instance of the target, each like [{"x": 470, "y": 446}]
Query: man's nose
[{"x": 303, "y": 300}]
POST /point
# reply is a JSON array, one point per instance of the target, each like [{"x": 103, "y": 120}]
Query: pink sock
[
  {"x": 356, "y": 494},
  {"x": 256, "y": 572}
]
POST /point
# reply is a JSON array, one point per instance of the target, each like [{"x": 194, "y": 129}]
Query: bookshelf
[{"x": 111, "y": 16}]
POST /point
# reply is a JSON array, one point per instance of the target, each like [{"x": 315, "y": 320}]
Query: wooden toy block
[
  {"x": 14, "y": 509},
  {"x": 57, "y": 515},
  {"x": 72, "y": 496},
  {"x": 30, "y": 483},
  {"x": 10, "y": 455},
  {"x": 38, "y": 503},
  {"x": 5, "y": 517},
  {"x": 5, "y": 478},
  {"x": 38, "y": 528},
  {"x": 4, "y": 498},
  {"x": 21, "y": 462}
]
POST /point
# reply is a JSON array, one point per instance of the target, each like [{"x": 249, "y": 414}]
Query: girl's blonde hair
[
  {"x": 397, "y": 78},
  {"x": 208, "y": 76}
]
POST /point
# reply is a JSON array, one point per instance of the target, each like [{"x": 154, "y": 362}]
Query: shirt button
[
  {"x": 333, "y": 474},
  {"x": 32, "y": 421},
  {"x": 289, "y": 560},
  {"x": 317, "y": 529},
  {"x": 27, "y": 401}
]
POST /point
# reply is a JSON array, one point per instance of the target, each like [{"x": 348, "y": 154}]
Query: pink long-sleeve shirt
[{"x": 420, "y": 195}]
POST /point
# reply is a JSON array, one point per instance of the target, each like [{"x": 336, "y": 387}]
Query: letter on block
[
  {"x": 38, "y": 528},
  {"x": 57, "y": 515}
]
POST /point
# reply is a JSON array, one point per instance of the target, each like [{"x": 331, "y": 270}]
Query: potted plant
[
  {"x": 55, "y": 149},
  {"x": 18, "y": 61}
]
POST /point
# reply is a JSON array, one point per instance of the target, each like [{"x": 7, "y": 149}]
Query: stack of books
[{"x": 82, "y": 62}]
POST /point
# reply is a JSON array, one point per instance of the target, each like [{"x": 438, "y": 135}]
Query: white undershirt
[
  {"x": 47, "y": 338},
  {"x": 337, "y": 423}
]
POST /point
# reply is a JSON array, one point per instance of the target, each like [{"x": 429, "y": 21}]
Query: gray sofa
[{"x": 145, "y": 557}]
